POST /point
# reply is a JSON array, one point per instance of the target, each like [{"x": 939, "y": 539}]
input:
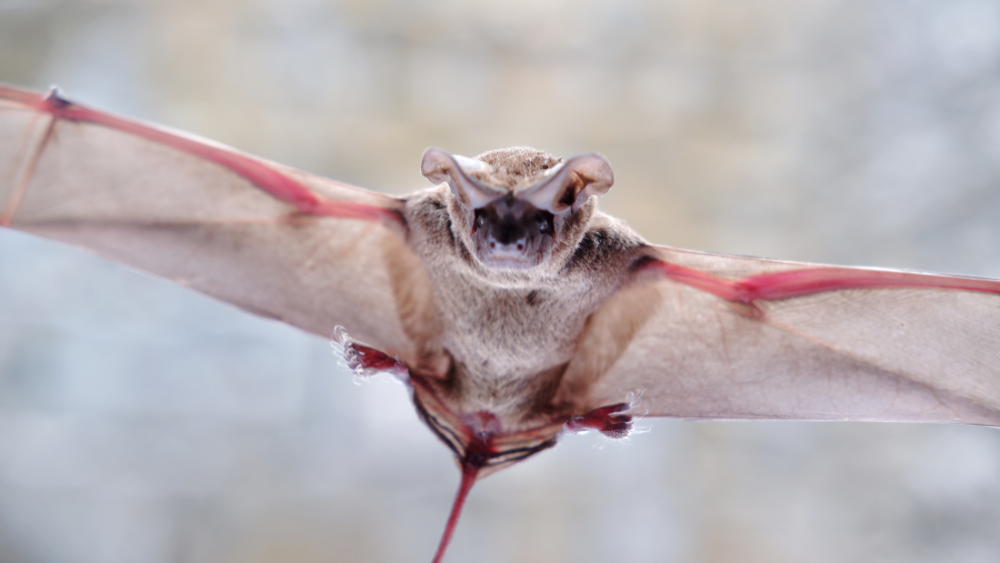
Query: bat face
[
  {"x": 512, "y": 233},
  {"x": 516, "y": 205}
]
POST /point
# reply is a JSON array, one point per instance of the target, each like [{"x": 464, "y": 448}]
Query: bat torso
[{"x": 510, "y": 334}]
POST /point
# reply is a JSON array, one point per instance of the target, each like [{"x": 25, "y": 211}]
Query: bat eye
[
  {"x": 544, "y": 221},
  {"x": 479, "y": 221}
]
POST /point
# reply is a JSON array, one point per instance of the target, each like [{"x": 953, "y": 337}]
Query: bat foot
[
  {"x": 614, "y": 421},
  {"x": 366, "y": 361}
]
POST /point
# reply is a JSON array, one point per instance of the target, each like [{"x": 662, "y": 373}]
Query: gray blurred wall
[{"x": 141, "y": 423}]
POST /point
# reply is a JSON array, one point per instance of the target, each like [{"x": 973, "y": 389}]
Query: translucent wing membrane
[
  {"x": 272, "y": 240},
  {"x": 744, "y": 338}
]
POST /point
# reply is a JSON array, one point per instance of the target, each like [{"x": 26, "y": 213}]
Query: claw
[
  {"x": 614, "y": 421},
  {"x": 365, "y": 361}
]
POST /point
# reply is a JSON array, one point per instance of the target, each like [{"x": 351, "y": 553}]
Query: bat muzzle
[{"x": 509, "y": 233}]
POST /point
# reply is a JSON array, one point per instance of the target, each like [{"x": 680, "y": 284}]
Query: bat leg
[{"x": 614, "y": 421}]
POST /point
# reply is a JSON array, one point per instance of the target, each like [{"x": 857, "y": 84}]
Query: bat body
[{"x": 513, "y": 308}]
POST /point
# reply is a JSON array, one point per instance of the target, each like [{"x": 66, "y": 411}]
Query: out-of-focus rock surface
[{"x": 142, "y": 423}]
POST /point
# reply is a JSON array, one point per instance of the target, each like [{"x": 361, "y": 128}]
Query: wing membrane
[
  {"x": 921, "y": 354},
  {"x": 208, "y": 217}
]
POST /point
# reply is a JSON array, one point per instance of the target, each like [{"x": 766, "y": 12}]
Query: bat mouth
[{"x": 509, "y": 262}]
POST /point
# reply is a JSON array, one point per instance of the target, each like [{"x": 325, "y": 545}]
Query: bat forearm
[
  {"x": 261, "y": 174},
  {"x": 809, "y": 281}
]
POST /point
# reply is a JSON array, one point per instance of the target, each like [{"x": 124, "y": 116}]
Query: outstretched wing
[
  {"x": 275, "y": 241},
  {"x": 708, "y": 336}
]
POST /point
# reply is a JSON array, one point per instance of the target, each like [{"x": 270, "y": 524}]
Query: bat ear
[
  {"x": 571, "y": 183},
  {"x": 439, "y": 166}
]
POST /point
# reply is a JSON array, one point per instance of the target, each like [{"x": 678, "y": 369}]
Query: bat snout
[
  {"x": 517, "y": 254},
  {"x": 513, "y": 249},
  {"x": 512, "y": 234}
]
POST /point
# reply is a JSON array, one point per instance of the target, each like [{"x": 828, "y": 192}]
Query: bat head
[{"x": 520, "y": 203}]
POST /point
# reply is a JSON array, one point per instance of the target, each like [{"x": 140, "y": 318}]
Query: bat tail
[{"x": 469, "y": 473}]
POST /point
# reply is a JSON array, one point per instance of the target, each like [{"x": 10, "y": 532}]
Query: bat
[{"x": 514, "y": 309}]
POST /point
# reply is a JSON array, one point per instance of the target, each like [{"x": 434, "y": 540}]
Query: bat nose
[
  {"x": 514, "y": 248},
  {"x": 508, "y": 237}
]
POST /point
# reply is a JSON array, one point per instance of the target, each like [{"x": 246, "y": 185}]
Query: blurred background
[{"x": 143, "y": 423}]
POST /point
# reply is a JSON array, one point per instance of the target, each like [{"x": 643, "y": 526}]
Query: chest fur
[{"x": 503, "y": 326}]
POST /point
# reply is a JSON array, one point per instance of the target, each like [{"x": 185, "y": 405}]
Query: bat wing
[
  {"x": 708, "y": 336},
  {"x": 275, "y": 241}
]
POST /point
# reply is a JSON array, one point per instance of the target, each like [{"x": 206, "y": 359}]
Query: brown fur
[
  {"x": 514, "y": 168},
  {"x": 510, "y": 334}
]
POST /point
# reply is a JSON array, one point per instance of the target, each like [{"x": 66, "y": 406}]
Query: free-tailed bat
[{"x": 511, "y": 306}]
